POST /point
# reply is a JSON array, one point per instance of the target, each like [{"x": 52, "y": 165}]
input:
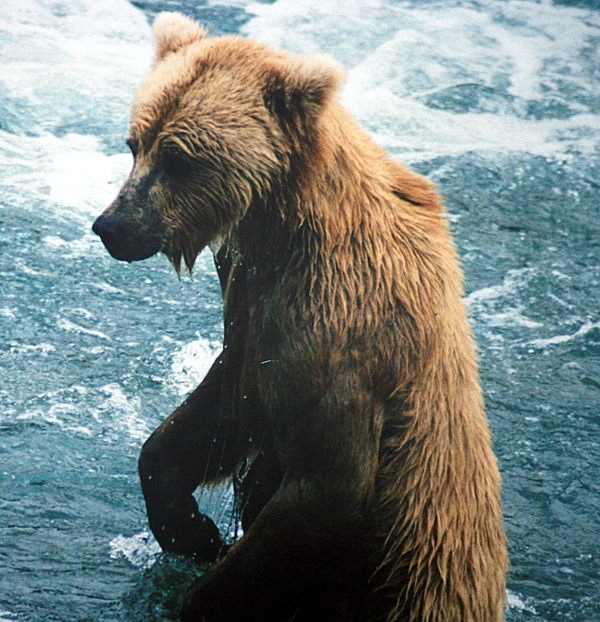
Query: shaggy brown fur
[{"x": 346, "y": 403}]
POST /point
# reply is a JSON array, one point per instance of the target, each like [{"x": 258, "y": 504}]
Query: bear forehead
[{"x": 204, "y": 76}]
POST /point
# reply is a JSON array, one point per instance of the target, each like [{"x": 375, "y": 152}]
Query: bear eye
[{"x": 176, "y": 164}]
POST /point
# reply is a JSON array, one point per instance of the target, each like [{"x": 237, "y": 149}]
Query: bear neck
[{"x": 342, "y": 208}]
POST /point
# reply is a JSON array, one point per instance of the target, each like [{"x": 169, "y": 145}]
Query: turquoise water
[{"x": 496, "y": 102}]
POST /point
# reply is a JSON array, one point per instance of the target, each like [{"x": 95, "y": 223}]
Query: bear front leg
[{"x": 187, "y": 450}]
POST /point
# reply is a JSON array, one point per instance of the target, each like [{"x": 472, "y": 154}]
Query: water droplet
[
  {"x": 193, "y": 515},
  {"x": 245, "y": 397},
  {"x": 149, "y": 477},
  {"x": 204, "y": 519},
  {"x": 250, "y": 440},
  {"x": 172, "y": 540}
]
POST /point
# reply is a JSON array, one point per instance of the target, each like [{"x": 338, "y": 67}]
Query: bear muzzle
[{"x": 126, "y": 239}]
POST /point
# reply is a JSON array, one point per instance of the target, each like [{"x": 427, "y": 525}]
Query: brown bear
[{"x": 345, "y": 405}]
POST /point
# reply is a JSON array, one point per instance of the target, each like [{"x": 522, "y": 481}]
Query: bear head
[{"x": 215, "y": 127}]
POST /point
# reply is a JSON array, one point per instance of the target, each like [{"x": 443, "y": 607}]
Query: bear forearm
[{"x": 188, "y": 450}]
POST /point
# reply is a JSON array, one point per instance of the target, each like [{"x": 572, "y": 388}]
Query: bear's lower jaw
[
  {"x": 130, "y": 250},
  {"x": 130, "y": 254}
]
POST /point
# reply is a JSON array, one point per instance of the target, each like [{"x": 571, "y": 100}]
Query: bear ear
[
  {"x": 173, "y": 31},
  {"x": 299, "y": 87}
]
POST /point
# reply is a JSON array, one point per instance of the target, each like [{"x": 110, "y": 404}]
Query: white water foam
[
  {"x": 560, "y": 339},
  {"x": 52, "y": 52},
  {"x": 123, "y": 413},
  {"x": 489, "y": 304},
  {"x": 398, "y": 56},
  {"x": 514, "y": 601},
  {"x": 71, "y": 327},
  {"x": 140, "y": 550},
  {"x": 191, "y": 363},
  {"x": 36, "y": 350},
  {"x": 74, "y": 63},
  {"x": 82, "y": 177},
  {"x": 107, "y": 414}
]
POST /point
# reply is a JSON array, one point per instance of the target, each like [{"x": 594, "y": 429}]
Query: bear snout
[{"x": 124, "y": 239}]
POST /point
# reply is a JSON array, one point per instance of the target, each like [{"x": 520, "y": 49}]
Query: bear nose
[
  {"x": 117, "y": 235},
  {"x": 108, "y": 227}
]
